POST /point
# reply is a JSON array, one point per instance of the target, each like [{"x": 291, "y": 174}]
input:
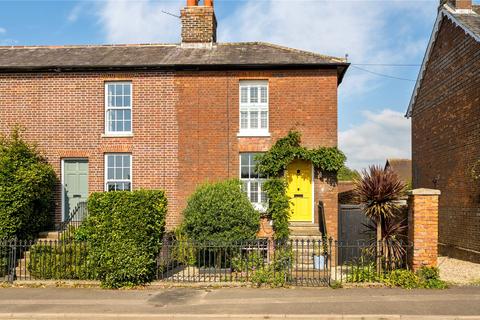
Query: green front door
[{"x": 75, "y": 184}]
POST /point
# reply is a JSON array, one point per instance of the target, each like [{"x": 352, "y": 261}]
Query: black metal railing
[
  {"x": 305, "y": 262},
  {"x": 74, "y": 219}
]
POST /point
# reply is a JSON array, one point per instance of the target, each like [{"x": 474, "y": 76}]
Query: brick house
[
  {"x": 445, "y": 112},
  {"x": 170, "y": 116}
]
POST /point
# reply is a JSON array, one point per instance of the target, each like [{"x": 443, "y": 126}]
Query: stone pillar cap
[{"x": 424, "y": 192}]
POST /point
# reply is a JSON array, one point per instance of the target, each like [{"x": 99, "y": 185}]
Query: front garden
[{"x": 123, "y": 243}]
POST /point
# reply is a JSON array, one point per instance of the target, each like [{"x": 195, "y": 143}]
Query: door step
[{"x": 304, "y": 229}]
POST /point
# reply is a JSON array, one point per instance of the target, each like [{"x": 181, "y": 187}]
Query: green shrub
[
  {"x": 278, "y": 206},
  {"x": 362, "y": 273},
  {"x": 430, "y": 278},
  {"x": 220, "y": 212},
  {"x": 250, "y": 260},
  {"x": 60, "y": 261},
  {"x": 402, "y": 278},
  {"x": 27, "y": 184},
  {"x": 269, "y": 276},
  {"x": 183, "y": 250},
  {"x": 124, "y": 231}
]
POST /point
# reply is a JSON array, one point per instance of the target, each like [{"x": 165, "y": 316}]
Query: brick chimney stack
[
  {"x": 199, "y": 24},
  {"x": 458, "y": 4}
]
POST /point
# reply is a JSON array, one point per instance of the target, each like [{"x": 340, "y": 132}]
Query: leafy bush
[
  {"x": 269, "y": 276},
  {"x": 364, "y": 273},
  {"x": 60, "y": 261},
  {"x": 430, "y": 278},
  {"x": 183, "y": 250},
  {"x": 250, "y": 260},
  {"x": 220, "y": 212},
  {"x": 402, "y": 278},
  {"x": 27, "y": 184},
  {"x": 278, "y": 206},
  {"x": 124, "y": 231}
]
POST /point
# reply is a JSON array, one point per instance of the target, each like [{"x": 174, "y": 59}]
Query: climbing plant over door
[{"x": 274, "y": 162}]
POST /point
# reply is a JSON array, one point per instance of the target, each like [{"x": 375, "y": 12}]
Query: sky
[{"x": 385, "y": 37}]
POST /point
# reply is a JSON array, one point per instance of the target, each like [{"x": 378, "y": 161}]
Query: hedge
[
  {"x": 27, "y": 184},
  {"x": 220, "y": 212},
  {"x": 124, "y": 231}
]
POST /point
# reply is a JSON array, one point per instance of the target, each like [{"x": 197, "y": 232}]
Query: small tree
[
  {"x": 379, "y": 189},
  {"x": 27, "y": 184},
  {"x": 220, "y": 212}
]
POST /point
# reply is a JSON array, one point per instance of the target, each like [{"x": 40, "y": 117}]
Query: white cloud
[
  {"x": 382, "y": 135},
  {"x": 140, "y": 21},
  {"x": 3, "y": 30},
  {"x": 75, "y": 12}
]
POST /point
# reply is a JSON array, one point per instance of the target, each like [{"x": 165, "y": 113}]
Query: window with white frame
[
  {"x": 118, "y": 108},
  {"x": 253, "y": 107},
  {"x": 118, "y": 172},
  {"x": 252, "y": 182}
]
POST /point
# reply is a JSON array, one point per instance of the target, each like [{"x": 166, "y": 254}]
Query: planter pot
[{"x": 319, "y": 262}]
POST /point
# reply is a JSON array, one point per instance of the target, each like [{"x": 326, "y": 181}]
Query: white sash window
[{"x": 254, "y": 108}]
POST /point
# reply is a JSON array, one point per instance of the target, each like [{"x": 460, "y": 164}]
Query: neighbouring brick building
[
  {"x": 445, "y": 112},
  {"x": 122, "y": 117}
]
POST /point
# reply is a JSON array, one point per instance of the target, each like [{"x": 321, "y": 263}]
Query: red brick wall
[
  {"x": 423, "y": 227},
  {"x": 209, "y": 122},
  {"x": 64, "y": 115},
  {"x": 185, "y": 124},
  {"x": 445, "y": 135}
]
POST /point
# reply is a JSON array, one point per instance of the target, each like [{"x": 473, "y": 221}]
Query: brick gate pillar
[{"x": 423, "y": 227}]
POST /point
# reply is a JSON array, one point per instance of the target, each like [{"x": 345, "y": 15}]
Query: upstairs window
[
  {"x": 252, "y": 182},
  {"x": 118, "y": 108},
  {"x": 118, "y": 172},
  {"x": 254, "y": 108}
]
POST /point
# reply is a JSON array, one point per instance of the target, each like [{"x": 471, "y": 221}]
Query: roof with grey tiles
[
  {"x": 220, "y": 55},
  {"x": 470, "y": 21}
]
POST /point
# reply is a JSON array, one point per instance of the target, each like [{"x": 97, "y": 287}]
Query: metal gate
[{"x": 351, "y": 231}]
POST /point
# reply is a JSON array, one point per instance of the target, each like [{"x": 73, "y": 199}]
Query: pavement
[{"x": 239, "y": 303}]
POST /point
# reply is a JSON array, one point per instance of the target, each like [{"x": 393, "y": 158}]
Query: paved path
[{"x": 239, "y": 303}]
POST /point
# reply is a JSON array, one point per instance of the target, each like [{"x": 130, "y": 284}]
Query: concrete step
[{"x": 48, "y": 235}]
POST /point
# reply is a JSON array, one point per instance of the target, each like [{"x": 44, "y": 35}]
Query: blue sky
[{"x": 372, "y": 33}]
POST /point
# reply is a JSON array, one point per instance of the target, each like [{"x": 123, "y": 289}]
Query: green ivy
[
  {"x": 274, "y": 163},
  {"x": 278, "y": 206}
]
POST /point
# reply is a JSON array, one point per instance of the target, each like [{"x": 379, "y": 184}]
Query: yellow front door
[{"x": 299, "y": 178}]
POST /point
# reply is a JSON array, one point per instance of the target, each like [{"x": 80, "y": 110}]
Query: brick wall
[
  {"x": 423, "y": 227},
  {"x": 185, "y": 124},
  {"x": 445, "y": 135},
  {"x": 64, "y": 115},
  {"x": 198, "y": 24}
]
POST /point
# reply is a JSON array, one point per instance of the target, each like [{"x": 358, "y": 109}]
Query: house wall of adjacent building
[
  {"x": 445, "y": 138},
  {"x": 185, "y": 125}
]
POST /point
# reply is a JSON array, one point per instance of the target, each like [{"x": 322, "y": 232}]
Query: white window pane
[
  {"x": 127, "y": 126},
  {"x": 263, "y": 94},
  {"x": 118, "y": 101},
  {"x": 126, "y": 89},
  {"x": 264, "y": 119},
  {"x": 126, "y": 173},
  {"x": 254, "y": 191},
  {"x": 244, "y": 120},
  {"x": 253, "y": 94},
  {"x": 254, "y": 119},
  {"x": 244, "y": 95},
  {"x": 127, "y": 101},
  {"x": 245, "y": 172},
  {"x": 110, "y": 89},
  {"x": 110, "y": 174},
  {"x": 111, "y": 161},
  {"x": 118, "y": 173},
  {"x": 245, "y": 187},
  {"x": 118, "y": 161},
  {"x": 126, "y": 161}
]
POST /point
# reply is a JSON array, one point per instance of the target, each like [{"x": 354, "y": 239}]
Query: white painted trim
[
  {"x": 105, "y": 168},
  {"x": 313, "y": 193},
  {"x": 253, "y": 134},
  {"x": 62, "y": 180},
  {"x": 105, "y": 107},
  {"x": 446, "y": 11}
]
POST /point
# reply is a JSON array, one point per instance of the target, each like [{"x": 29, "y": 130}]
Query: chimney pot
[
  {"x": 208, "y": 3},
  {"x": 192, "y": 3}
]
